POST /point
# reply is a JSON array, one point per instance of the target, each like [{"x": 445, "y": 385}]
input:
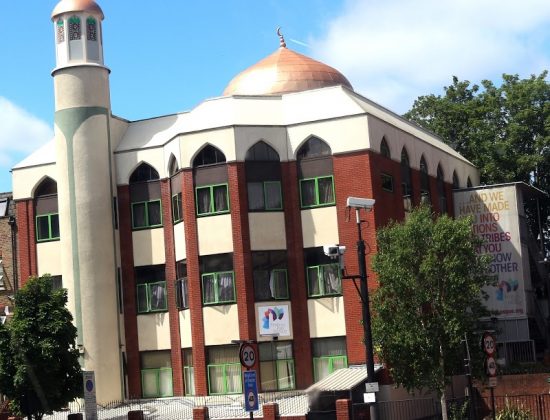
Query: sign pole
[{"x": 493, "y": 403}]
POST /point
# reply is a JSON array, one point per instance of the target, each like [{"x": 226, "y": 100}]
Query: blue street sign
[{"x": 251, "y": 391}]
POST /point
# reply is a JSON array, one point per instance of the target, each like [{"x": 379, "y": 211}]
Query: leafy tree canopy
[
  {"x": 39, "y": 366},
  {"x": 430, "y": 295}
]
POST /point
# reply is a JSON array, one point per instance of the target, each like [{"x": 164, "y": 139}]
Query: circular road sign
[
  {"x": 247, "y": 355},
  {"x": 488, "y": 343},
  {"x": 491, "y": 366}
]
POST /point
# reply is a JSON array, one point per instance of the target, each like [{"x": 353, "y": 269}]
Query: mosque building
[{"x": 177, "y": 234}]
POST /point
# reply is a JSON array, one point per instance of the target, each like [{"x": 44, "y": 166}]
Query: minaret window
[
  {"x": 91, "y": 29},
  {"x": 60, "y": 31},
  {"x": 145, "y": 198},
  {"x": 211, "y": 187},
  {"x": 75, "y": 31},
  {"x": 315, "y": 172},
  {"x": 46, "y": 210}
]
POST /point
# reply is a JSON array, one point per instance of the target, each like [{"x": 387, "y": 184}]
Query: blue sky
[{"x": 169, "y": 55}]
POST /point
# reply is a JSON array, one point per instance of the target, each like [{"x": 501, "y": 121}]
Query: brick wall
[
  {"x": 26, "y": 244},
  {"x": 6, "y": 255}
]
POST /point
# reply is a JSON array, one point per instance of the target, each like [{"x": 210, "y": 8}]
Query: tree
[
  {"x": 39, "y": 367},
  {"x": 504, "y": 130},
  {"x": 430, "y": 296}
]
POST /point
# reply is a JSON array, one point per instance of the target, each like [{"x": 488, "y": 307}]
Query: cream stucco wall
[
  {"x": 246, "y": 137},
  {"x": 25, "y": 180},
  {"x": 127, "y": 162},
  {"x": 319, "y": 226},
  {"x": 215, "y": 235},
  {"x": 267, "y": 230},
  {"x": 153, "y": 331},
  {"x": 148, "y": 246},
  {"x": 179, "y": 241},
  {"x": 221, "y": 324},
  {"x": 48, "y": 256},
  {"x": 192, "y": 143},
  {"x": 326, "y": 317},
  {"x": 185, "y": 329}
]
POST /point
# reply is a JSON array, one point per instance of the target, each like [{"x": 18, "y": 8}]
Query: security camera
[
  {"x": 331, "y": 251},
  {"x": 360, "y": 203}
]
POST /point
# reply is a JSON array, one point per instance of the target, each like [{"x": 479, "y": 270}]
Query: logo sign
[
  {"x": 488, "y": 343},
  {"x": 491, "y": 366},
  {"x": 372, "y": 387},
  {"x": 90, "y": 404},
  {"x": 492, "y": 382},
  {"x": 247, "y": 355},
  {"x": 251, "y": 391}
]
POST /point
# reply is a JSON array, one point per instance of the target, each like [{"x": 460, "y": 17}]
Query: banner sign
[{"x": 274, "y": 320}]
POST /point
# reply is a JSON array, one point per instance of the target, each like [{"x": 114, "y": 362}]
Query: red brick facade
[{"x": 26, "y": 243}]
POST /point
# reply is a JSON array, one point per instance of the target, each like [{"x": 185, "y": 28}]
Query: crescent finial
[{"x": 282, "y": 42}]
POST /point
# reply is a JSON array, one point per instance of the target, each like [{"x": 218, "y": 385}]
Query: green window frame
[
  {"x": 177, "y": 209},
  {"x": 189, "y": 380},
  {"x": 276, "y": 292},
  {"x": 229, "y": 371},
  {"x": 47, "y": 227},
  {"x": 323, "y": 284},
  {"x": 339, "y": 361},
  {"x": 283, "y": 383},
  {"x": 267, "y": 203},
  {"x": 160, "y": 391},
  {"x": 152, "y": 302},
  {"x": 148, "y": 222},
  {"x": 316, "y": 199},
  {"x": 213, "y": 207},
  {"x": 215, "y": 293}
]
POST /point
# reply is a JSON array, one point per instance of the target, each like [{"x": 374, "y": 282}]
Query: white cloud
[
  {"x": 393, "y": 51},
  {"x": 20, "y": 132}
]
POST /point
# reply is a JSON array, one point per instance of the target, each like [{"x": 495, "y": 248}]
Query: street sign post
[
  {"x": 488, "y": 343},
  {"x": 489, "y": 346},
  {"x": 251, "y": 391},
  {"x": 90, "y": 404}
]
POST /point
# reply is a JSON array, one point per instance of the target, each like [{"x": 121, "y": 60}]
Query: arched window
[
  {"x": 441, "y": 190},
  {"x": 60, "y": 31},
  {"x": 145, "y": 197},
  {"x": 263, "y": 178},
  {"x": 384, "y": 148},
  {"x": 456, "y": 184},
  {"x": 211, "y": 186},
  {"x": 469, "y": 183},
  {"x": 75, "y": 30},
  {"x": 209, "y": 155},
  {"x": 46, "y": 211},
  {"x": 91, "y": 29},
  {"x": 314, "y": 160},
  {"x": 175, "y": 189},
  {"x": 425, "y": 197},
  {"x": 406, "y": 181}
]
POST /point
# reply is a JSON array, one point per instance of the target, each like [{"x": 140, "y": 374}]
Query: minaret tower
[{"x": 86, "y": 190}]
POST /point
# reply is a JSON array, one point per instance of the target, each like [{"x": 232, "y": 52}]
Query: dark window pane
[
  {"x": 255, "y": 196},
  {"x": 331, "y": 280},
  {"x": 220, "y": 198},
  {"x": 203, "y": 200},
  {"x": 313, "y": 281},
  {"x": 138, "y": 215},
  {"x": 278, "y": 284},
  {"x": 208, "y": 288},
  {"x": 326, "y": 192},
  {"x": 54, "y": 223},
  {"x": 142, "y": 298},
  {"x": 273, "y": 200},
  {"x": 155, "y": 217},
  {"x": 261, "y": 285},
  {"x": 225, "y": 287},
  {"x": 387, "y": 182},
  {"x": 42, "y": 228},
  {"x": 158, "y": 296},
  {"x": 307, "y": 190}
]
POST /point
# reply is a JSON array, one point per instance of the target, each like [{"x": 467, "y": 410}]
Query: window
[
  {"x": 264, "y": 196},
  {"x": 469, "y": 183},
  {"x": 324, "y": 280},
  {"x": 329, "y": 355},
  {"x": 47, "y": 227},
  {"x": 60, "y": 31},
  {"x": 74, "y": 28},
  {"x": 441, "y": 191},
  {"x": 406, "y": 181},
  {"x": 315, "y": 192},
  {"x": 209, "y": 155},
  {"x": 212, "y": 199},
  {"x": 156, "y": 374},
  {"x": 146, "y": 214},
  {"x": 177, "y": 210},
  {"x": 313, "y": 147},
  {"x": 188, "y": 372},
  {"x": 217, "y": 277},
  {"x": 270, "y": 275},
  {"x": 91, "y": 29},
  {"x": 456, "y": 184},
  {"x": 224, "y": 370},
  {"x": 384, "y": 148},
  {"x": 4, "y": 202},
  {"x": 277, "y": 371},
  {"x": 151, "y": 289},
  {"x": 57, "y": 282},
  {"x": 182, "y": 293},
  {"x": 425, "y": 197},
  {"x": 144, "y": 173},
  {"x": 387, "y": 182}
]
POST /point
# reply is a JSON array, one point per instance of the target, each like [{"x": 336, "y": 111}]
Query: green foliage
[
  {"x": 39, "y": 367},
  {"x": 504, "y": 130},
  {"x": 513, "y": 412},
  {"x": 430, "y": 295}
]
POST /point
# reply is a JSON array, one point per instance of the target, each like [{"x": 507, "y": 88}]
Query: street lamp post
[{"x": 366, "y": 204}]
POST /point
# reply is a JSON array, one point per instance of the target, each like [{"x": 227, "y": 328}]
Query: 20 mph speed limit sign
[
  {"x": 247, "y": 355},
  {"x": 488, "y": 343}
]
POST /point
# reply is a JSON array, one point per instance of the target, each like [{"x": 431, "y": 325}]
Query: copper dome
[
  {"x": 285, "y": 71},
  {"x": 67, "y": 6}
]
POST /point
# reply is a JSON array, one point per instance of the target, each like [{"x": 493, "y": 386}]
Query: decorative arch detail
[
  {"x": 142, "y": 172},
  {"x": 384, "y": 148},
  {"x": 45, "y": 186},
  {"x": 208, "y": 155},
  {"x": 261, "y": 151},
  {"x": 173, "y": 166},
  {"x": 312, "y": 147}
]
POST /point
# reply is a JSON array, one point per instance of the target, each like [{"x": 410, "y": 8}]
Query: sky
[{"x": 167, "y": 56}]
